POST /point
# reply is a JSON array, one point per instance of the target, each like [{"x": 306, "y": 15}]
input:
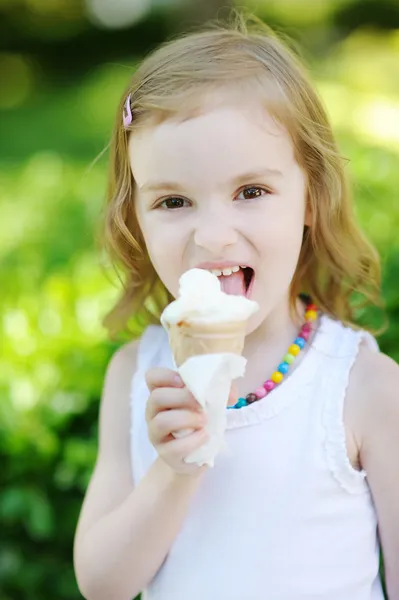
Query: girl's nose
[{"x": 214, "y": 233}]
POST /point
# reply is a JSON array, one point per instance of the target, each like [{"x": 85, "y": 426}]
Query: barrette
[{"x": 127, "y": 112}]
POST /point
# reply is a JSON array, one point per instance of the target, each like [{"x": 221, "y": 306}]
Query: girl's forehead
[{"x": 228, "y": 137}]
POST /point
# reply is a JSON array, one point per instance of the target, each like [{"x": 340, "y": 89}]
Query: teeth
[{"x": 225, "y": 272}]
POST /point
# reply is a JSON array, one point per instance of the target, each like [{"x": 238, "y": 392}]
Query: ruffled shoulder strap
[
  {"x": 152, "y": 351},
  {"x": 150, "y": 346},
  {"x": 341, "y": 346}
]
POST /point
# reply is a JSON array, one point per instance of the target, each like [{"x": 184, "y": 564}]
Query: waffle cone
[{"x": 188, "y": 339}]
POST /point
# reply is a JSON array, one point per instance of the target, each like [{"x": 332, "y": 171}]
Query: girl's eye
[
  {"x": 172, "y": 203},
  {"x": 253, "y": 191}
]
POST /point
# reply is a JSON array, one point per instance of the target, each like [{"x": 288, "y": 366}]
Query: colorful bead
[
  {"x": 283, "y": 368},
  {"x": 311, "y": 307},
  {"x": 305, "y": 335},
  {"x": 277, "y": 377},
  {"x": 269, "y": 385},
  {"x": 240, "y": 403},
  {"x": 300, "y": 342},
  {"x": 289, "y": 358},
  {"x": 260, "y": 392},
  {"x": 311, "y": 315},
  {"x": 250, "y": 398},
  {"x": 294, "y": 349},
  {"x": 306, "y": 327}
]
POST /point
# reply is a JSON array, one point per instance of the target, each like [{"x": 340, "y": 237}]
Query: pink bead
[
  {"x": 260, "y": 392},
  {"x": 306, "y": 327},
  {"x": 269, "y": 385},
  {"x": 305, "y": 335}
]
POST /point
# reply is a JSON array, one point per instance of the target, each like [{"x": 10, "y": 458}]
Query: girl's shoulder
[
  {"x": 372, "y": 409},
  {"x": 373, "y": 386},
  {"x": 373, "y": 389},
  {"x": 372, "y": 404},
  {"x": 119, "y": 371}
]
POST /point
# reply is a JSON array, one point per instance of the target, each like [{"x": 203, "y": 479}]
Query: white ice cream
[{"x": 201, "y": 299}]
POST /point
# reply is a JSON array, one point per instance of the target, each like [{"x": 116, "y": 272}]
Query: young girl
[{"x": 223, "y": 159}]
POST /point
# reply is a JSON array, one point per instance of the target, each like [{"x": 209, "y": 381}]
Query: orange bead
[
  {"x": 294, "y": 349},
  {"x": 311, "y": 315},
  {"x": 277, "y": 377}
]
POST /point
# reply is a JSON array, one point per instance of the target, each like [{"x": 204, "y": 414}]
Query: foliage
[{"x": 54, "y": 291}]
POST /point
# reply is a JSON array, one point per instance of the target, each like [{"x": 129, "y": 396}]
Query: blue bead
[
  {"x": 283, "y": 368},
  {"x": 240, "y": 403},
  {"x": 300, "y": 342}
]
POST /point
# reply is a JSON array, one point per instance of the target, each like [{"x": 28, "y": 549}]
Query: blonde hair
[{"x": 242, "y": 56}]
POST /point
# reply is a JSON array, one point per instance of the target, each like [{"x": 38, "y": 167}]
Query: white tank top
[{"x": 282, "y": 515}]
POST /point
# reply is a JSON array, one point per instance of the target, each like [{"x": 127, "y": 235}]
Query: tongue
[{"x": 233, "y": 284}]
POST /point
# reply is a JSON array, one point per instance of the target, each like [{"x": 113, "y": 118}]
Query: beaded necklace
[{"x": 277, "y": 377}]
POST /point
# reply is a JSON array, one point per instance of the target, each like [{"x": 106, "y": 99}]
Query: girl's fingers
[
  {"x": 178, "y": 448},
  {"x": 166, "y": 422},
  {"x": 159, "y": 377},
  {"x": 162, "y": 399}
]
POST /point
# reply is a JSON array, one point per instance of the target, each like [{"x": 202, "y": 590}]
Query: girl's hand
[{"x": 172, "y": 408}]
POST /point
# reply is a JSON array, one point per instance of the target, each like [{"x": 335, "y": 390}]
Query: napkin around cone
[{"x": 209, "y": 378}]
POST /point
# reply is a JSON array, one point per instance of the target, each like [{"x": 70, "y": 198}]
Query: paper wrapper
[{"x": 209, "y": 378}]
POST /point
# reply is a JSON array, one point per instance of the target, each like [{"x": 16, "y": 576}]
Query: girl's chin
[{"x": 255, "y": 322}]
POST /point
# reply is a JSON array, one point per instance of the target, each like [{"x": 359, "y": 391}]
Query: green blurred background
[{"x": 63, "y": 66}]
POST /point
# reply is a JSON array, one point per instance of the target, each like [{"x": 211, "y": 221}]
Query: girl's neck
[
  {"x": 265, "y": 347},
  {"x": 279, "y": 323}
]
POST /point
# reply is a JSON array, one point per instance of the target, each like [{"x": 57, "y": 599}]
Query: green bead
[
  {"x": 289, "y": 358},
  {"x": 240, "y": 403}
]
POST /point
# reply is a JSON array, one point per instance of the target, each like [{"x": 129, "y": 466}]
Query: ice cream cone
[
  {"x": 193, "y": 339},
  {"x": 205, "y": 321}
]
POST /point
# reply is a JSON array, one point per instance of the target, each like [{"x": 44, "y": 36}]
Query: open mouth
[
  {"x": 248, "y": 277},
  {"x": 237, "y": 280}
]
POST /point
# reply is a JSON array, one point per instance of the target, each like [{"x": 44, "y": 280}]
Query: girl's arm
[
  {"x": 124, "y": 535},
  {"x": 378, "y": 417}
]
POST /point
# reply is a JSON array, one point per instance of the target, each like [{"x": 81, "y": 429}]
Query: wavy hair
[{"x": 338, "y": 267}]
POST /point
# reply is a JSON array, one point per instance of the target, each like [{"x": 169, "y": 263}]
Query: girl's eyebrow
[{"x": 252, "y": 176}]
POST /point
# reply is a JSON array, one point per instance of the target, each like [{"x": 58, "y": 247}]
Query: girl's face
[{"x": 219, "y": 191}]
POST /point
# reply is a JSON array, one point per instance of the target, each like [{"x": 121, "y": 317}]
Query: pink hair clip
[{"x": 127, "y": 113}]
